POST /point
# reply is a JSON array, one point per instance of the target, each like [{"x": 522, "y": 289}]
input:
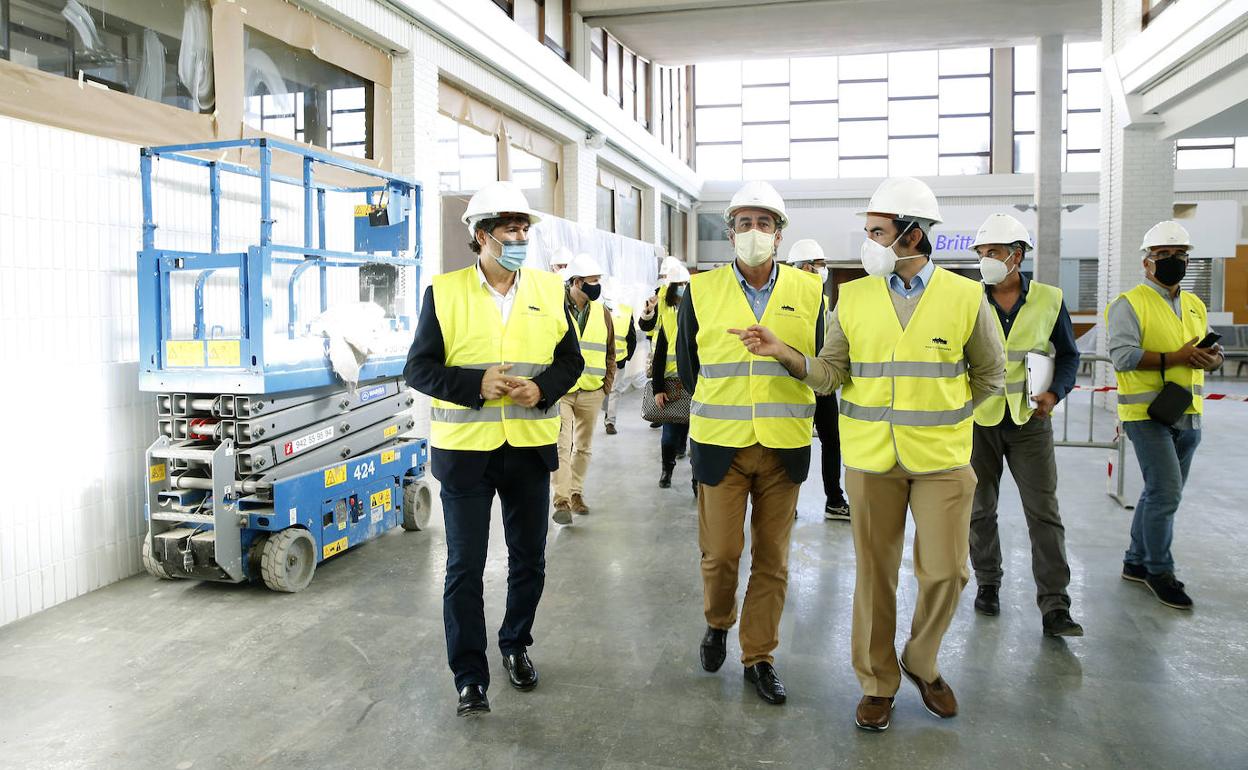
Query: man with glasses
[
  {"x": 749, "y": 427},
  {"x": 1154, "y": 330}
]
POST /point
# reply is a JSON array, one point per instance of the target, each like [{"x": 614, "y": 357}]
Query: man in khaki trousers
[{"x": 579, "y": 409}]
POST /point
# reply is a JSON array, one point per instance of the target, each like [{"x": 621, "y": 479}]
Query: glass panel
[
  {"x": 911, "y": 117},
  {"x": 597, "y": 71},
  {"x": 765, "y": 171},
  {"x": 864, "y": 67},
  {"x": 628, "y": 213},
  {"x": 662, "y": 108},
  {"x": 1083, "y": 91},
  {"x": 1241, "y": 152},
  {"x": 813, "y": 160},
  {"x": 630, "y": 84},
  {"x": 766, "y": 103},
  {"x": 965, "y": 61},
  {"x": 717, "y": 83},
  {"x": 287, "y": 91},
  {"x": 556, "y": 12},
  {"x": 1083, "y": 130},
  {"x": 764, "y": 71},
  {"x": 606, "y": 209},
  {"x": 526, "y": 169},
  {"x": 1025, "y": 154},
  {"x": 476, "y": 173},
  {"x": 912, "y": 157},
  {"x": 524, "y": 13},
  {"x": 864, "y": 168},
  {"x": 771, "y": 141},
  {"x": 812, "y": 78},
  {"x": 613, "y": 70},
  {"x": 964, "y": 134},
  {"x": 1206, "y": 158},
  {"x": 1083, "y": 161},
  {"x": 912, "y": 73},
  {"x": 866, "y": 137},
  {"x": 1214, "y": 141},
  {"x": 864, "y": 100},
  {"x": 719, "y": 161},
  {"x": 813, "y": 121},
  {"x": 1083, "y": 56},
  {"x": 1025, "y": 68},
  {"x": 665, "y": 233},
  {"x": 962, "y": 96},
  {"x": 474, "y": 142},
  {"x": 963, "y": 166},
  {"x": 1025, "y": 112},
  {"x": 643, "y": 93}
]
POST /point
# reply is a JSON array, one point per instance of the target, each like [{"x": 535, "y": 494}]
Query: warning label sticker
[{"x": 309, "y": 441}]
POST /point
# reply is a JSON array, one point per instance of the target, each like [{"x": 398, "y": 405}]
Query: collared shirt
[
  {"x": 1065, "y": 349},
  {"x": 917, "y": 284},
  {"x": 580, "y": 315},
  {"x": 503, "y": 302},
  {"x": 757, "y": 297}
]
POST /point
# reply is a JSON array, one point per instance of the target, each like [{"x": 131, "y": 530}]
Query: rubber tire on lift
[
  {"x": 288, "y": 560},
  {"x": 417, "y": 505},
  {"x": 254, "y": 556},
  {"x": 153, "y": 567}
]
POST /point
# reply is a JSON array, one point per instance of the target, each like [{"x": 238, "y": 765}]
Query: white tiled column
[
  {"x": 580, "y": 181},
  {"x": 1048, "y": 177}
]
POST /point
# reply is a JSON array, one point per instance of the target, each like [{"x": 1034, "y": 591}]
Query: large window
[
  {"x": 619, "y": 205},
  {"x": 467, "y": 158},
  {"x": 672, "y": 230},
  {"x": 625, "y": 78},
  {"x": 135, "y": 48},
  {"x": 916, "y": 113},
  {"x": 1224, "y": 152},
  {"x": 545, "y": 20},
  {"x": 1081, "y": 102}
]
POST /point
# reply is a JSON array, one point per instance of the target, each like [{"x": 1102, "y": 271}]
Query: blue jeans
[
  {"x": 674, "y": 441},
  {"x": 1165, "y": 456}
]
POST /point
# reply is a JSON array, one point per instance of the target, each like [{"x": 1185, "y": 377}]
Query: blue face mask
[
  {"x": 680, "y": 290},
  {"x": 513, "y": 254}
]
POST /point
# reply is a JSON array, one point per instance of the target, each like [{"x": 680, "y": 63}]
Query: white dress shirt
[{"x": 504, "y": 302}]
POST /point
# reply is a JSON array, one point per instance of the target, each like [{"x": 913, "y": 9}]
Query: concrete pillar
[
  {"x": 580, "y": 184},
  {"x": 415, "y": 111},
  {"x": 1002, "y": 111},
  {"x": 1048, "y": 177}
]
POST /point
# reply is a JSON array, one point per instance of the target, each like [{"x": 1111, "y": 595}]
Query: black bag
[
  {"x": 678, "y": 402},
  {"x": 1171, "y": 403}
]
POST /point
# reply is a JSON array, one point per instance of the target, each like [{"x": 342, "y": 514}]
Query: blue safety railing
[{"x": 208, "y": 363}]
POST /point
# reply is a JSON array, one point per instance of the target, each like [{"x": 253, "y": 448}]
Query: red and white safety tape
[{"x": 1207, "y": 396}]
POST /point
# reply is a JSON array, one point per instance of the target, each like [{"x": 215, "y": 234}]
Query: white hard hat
[
  {"x": 1167, "y": 233},
  {"x": 678, "y": 273},
  {"x": 561, "y": 257},
  {"x": 1003, "y": 229},
  {"x": 495, "y": 199},
  {"x": 758, "y": 195},
  {"x": 805, "y": 250},
  {"x": 666, "y": 266},
  {"x": 581, "y": 266},
  {"x": 905, "y": 198}
]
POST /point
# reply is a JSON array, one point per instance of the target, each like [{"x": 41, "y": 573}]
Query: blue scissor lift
[{"x": 266, "y": 463}]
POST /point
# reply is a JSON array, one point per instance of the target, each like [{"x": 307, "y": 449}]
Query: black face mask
[
  {"x": 1169, "y": 271},
  {"x": 592, "y": 290}
]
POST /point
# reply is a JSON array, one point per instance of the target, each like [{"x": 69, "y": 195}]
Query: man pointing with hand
[{"x": 496, "y": 350}]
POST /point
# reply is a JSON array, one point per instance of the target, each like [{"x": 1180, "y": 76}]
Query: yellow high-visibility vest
[
  {"x": 593, "y": 348},
  {"x": 1030, "y": 334},
  {"x": 742, "y": 399},
  {"x": 475, "y": 337},
  {"x": 1161, "y": 331},
  {"x": 909, "y": 398},
  {"x": 668, "y": 317},
  {"x": 620, "y": 320}
]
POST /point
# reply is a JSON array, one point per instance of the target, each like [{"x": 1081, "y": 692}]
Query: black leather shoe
[
  {"x": 520, "y": 671},
  {"x": 695, "y": 489},
  {"x": 988, "y": 600},
  {"x": 665, "y": 478},
  {"x": 1060, "y": 623},
  {"x": 766, "y": 682},
  {"x": 472, "y": 701},
  {"x": 714, "y": 648}
]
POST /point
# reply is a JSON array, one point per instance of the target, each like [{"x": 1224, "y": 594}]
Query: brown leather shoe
[
  {"x": 873, "y": 713},
  {"x": 937, "y": 696},
  {"x": 563, "y": 514},
  {"x": 578, "y": 504}
]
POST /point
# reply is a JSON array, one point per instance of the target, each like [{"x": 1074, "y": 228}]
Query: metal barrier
[{"x": 1117, "y": 489}]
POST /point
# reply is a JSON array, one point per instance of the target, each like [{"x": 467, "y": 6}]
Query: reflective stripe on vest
[
  {"x": 909, "y": 399},
  {"x": 621, "y": 319},
  {"x": 1029, "y": 334},
  {"x": 593, "y": 349},
  {"x": 668, "y": 317},
  {"x": 741, "y": 399},
  {"x": 474, "y": 337},
  {"x": 1161, "y": 330}
]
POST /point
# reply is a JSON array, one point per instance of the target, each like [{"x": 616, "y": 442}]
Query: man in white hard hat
[
  {"x": 807, "y": 255},
  {"x": 749, "y": 428},
  {"x": 496, "y": 350},
  {"x": 914, "y": 346},
  {"x": 1157, "y": 340},
  {"x": 560, "y": 260},
  {"x": 625, "y": 345},
  {"x": 579, "y": 408},
  {"x": 1012, "y": 426}
]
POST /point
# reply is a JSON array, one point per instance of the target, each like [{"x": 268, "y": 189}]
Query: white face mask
[
  {"x": 994, "y": 271},
  {"x": 880, "y": 260},
  {"x": 754, "y": 247},
  {"x": 823, "y": 275}
]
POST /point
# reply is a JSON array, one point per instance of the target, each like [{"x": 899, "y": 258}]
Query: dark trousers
[
  {"x": 1028, "y": 449},
  {"x": 521, "y": 479},
  {"x": 674, "y": 441},
  {"x": 827, "y": 419}
]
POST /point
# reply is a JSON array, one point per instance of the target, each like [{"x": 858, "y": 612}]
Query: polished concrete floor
[{"x": 351, "y": 673}]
